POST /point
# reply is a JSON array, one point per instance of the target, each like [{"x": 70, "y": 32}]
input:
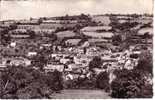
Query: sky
[{"x": 24, "y": 9}]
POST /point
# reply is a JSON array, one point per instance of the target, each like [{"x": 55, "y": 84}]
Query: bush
[
  {"x": 54, "y": 80},
  {"x": 102, "y": 81},
  {"x": 145, "y": 63},
  {"x": 25, "y": 83},
  {"x": 135, "y": 56},
  {"x": 95, "y": 63},
  {"x": 130, "y": 84},
  {"x": 80, "y": 83}
]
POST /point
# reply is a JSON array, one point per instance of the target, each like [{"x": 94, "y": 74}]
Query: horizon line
[{"x": 78, "y": 15}]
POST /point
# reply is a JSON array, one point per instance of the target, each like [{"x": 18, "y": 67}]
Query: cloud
[{"x": 15, "y": 9}]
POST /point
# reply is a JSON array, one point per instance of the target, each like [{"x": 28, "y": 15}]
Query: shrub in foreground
[
  {"x": 130, "y": 84},
  {"x": 26, "y": 83}
]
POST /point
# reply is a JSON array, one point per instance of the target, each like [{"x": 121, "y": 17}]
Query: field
[
  {"x": 103, "y": 19},
  {"x": 81, "y": 94},
  {"x": 65, "y": 34},
  {"x": 73, "y": 41},
  {"x": 95, "y": 28},
  {"x": 99, "y": 35}
]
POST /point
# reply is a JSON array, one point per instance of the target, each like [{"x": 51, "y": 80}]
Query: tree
[
  {"x": 95, "y": 63},
  {"x": 116, "y": 39},
  {"x": 52, "y": 37},
  {"x": 31, "y": 33},
  {"x": 130, "y": 84},
  {"x": 146, "y": 35},
  {"x": 145, "y": 63},
  {"x": 13, "y": 26},
  {"x": 26, "y": 83},
  {"x": 39, "y": 61},
  {"x": 55, "y": 80},
  {"x": 102, "y": 81},
  {"x": 5, "y": 37}
]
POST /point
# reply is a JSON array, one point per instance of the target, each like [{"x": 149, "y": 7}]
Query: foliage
[
  {"x": 123, "y": 26},
  {"x": 13, "y": 26},
  {"x": 95, "y": 63},
  {"x": 55, "y": 83},
  {"x": 134, "y": 56},
  {"x": 145, "y": 63},
  {"x": 52, "y": 37},
  {"x": 80, "y": 83},
  {"x": 31, "y": 33},
  {"x": 40, "y": 60},
  {"x": 26, "y": 83},
  {"x": 130, "y": 84},
  {"x": 116, "y": 39},
  {"x": 5, "y": 37},
  {"x": 102, "y": 81}
]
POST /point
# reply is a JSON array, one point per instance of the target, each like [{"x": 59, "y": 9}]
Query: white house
[
  {"x": 51, "y": 67},
  {"x": 32, "y": 54},
  {"x": 64, "y": 61},
  {"x": 13, "y": 44}
]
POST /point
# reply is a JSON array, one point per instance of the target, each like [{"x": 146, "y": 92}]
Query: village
[{"x": 70, "y": 44}]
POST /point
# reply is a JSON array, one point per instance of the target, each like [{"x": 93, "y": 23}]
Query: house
[
  {"x": 16, "y": 61},
  {"x": 57, "y": 56},
  {"x": 13, "y": 44},
  {"x": 77, "y": 50},
  {"x": 136, "y": 52},
  {"x": 73, "y": 42},
  {"x": 85, "y": 44},
  {"x": 69, "y": 76},
  {"x": 74, "y": 66},
  {"x": 32, "y": 54},
  {"x": 46, "y": 45},
  {"x": 109, "y": 59},
  {"x": 83, "y": 60},
  {"x": 93, "y": 51},
  {"x": 27, "y": 62},
  {"x": 12, "y": 52},
  {"x": 2, "y": 64},
  {"x": 64, "y": 61},
  {"x": 129, "y": 64},
  {"x": 52, "y": 67}
]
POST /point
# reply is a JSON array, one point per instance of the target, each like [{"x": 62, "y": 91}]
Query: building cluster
[{"x": 72, "y": 59}]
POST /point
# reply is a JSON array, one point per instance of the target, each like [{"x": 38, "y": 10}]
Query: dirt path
[{"x": 81, "y": 94}]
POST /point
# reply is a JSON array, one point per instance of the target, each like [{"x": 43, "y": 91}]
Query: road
[{"x": 81, "y": 94}]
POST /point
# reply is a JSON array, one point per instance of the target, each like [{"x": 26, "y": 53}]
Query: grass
[{"x": 65, "y": 34}]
